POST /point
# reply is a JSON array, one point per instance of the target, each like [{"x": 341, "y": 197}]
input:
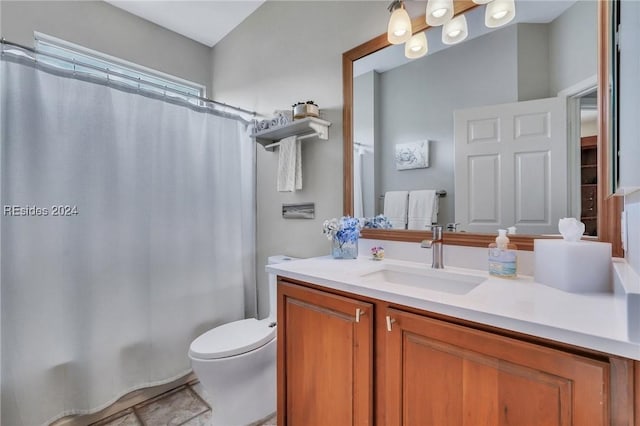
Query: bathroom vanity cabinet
[
  {"x": 325, "y": 361},
  {"x": 440, "y": 373},
  {"x": 346, "y": 359}
]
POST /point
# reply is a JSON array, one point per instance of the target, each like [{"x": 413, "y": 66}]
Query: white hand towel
[
  {"x": 422, "y": 209},
  {"x": 298, "y": 177},
  {"x": 395, "y": 208},
  {"x": 289, "y": 165}
]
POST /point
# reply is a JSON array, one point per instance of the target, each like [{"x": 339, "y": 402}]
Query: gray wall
[
  {"x": 418, "y": 99},
  {"x": 283, "y": 53},
  {"x": 533, "y": 62},
  {"x": 103, "y": 27},
  {"x": 573, "y": 46}
]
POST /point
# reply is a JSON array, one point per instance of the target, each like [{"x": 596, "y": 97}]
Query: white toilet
[{"x": 236, "y": 365}]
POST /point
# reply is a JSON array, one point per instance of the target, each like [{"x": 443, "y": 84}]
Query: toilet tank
[{"x": 272, "y": 260}]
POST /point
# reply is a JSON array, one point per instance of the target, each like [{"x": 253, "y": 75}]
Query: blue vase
[{"x": 344, "y": 250}]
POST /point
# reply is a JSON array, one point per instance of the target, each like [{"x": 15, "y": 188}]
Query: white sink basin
[{"x": 429, "y": 279}]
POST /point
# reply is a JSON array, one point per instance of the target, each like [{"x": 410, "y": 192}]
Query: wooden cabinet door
[
  {"x": 325, "y": 358},
  {"x": 437, "y": 373}
]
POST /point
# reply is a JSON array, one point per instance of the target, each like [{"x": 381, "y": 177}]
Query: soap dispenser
[{"x": 503, "y": 257}]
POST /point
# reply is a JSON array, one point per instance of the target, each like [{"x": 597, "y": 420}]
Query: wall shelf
[{"x": 306, "y": 128}]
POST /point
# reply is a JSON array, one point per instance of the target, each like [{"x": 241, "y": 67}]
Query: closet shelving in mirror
[
  {"x": 305, "y": 128},
  {"x": 589, "y": 183}
]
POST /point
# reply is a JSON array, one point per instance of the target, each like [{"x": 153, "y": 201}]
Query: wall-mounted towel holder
[
  {"x": 271, "y": 146},
  {"x": 440, "y": 193},
  {"x": 305, "y": 128}
]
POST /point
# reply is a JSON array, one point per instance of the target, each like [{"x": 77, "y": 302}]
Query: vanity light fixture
[
  {"x": 455, "y": 30},
  {"x": 439, "y": 12},
  {"x": 499, "y": 13},
  {"x": 416, "y": 46},
  {"x": 399, "y": 28}
]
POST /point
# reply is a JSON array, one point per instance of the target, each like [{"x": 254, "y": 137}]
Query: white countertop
[{"x": 595, "y": 321}]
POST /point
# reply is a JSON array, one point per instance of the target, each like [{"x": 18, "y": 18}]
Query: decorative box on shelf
[{"x": 305, "y": 128}]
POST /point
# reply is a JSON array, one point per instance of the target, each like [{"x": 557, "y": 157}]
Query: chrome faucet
[{"x": 435, "y": 244}]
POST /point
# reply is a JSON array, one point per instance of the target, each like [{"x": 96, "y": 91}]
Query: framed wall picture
[{"x": 412, "y": 155}]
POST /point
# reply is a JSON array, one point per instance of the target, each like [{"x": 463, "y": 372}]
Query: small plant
[
  {"x": 377, "y": 222},
  {"x": 377, "y": 252},
  {"x": 343, "y": 234},
  {"x": 343, "y": 230}
]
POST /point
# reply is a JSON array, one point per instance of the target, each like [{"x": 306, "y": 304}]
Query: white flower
[{"x": 330, "y": 228}]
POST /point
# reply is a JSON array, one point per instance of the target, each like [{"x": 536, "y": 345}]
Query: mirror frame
[{"x": 609, "y": 207}]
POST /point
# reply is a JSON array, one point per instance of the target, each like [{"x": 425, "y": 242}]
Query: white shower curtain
[
  {"x": 358, "y": 202},
  {"x": 105, "y": 301}
]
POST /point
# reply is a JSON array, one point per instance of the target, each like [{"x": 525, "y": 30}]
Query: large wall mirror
[{"x": 509, "y": 126}]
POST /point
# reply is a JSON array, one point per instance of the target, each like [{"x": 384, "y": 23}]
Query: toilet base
[{"x": 242, "y": 388}]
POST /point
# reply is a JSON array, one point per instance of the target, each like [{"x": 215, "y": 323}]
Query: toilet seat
[{"x": 231, "y": 339}]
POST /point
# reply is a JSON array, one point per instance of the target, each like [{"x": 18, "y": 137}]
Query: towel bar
[
  {"x": 300, "y": 138},
  {"x": 441, "y": 193},
  {"x": 310, "y": 135}
]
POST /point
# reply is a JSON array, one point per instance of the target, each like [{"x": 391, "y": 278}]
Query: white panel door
[{"x": 511, "y": 166}]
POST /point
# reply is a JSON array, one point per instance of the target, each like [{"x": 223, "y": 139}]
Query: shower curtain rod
[{"x": 125, "y": 76}]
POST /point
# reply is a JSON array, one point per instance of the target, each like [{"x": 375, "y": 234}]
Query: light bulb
[
  {"x": 455, "y": 30},
  {"x": 416, "y": 46},
  {"x": 439, "y": 13},
  {"x": 499, "y": 13},
  {"x": 400, "y": 32},
  {"x": 399, "y": 29}
]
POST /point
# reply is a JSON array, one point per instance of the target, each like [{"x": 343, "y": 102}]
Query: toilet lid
[{"x": 233, "y": 338}]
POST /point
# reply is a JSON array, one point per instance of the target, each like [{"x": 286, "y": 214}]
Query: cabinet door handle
[
  {"x": 389, "y": 322},
  {"x": 359, "y": 313}
]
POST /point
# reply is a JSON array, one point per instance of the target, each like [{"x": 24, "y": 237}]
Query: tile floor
[{"x": 186, "y": 405}]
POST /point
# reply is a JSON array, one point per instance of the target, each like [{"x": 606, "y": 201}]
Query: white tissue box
[{"x": 577, "y": 267}]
